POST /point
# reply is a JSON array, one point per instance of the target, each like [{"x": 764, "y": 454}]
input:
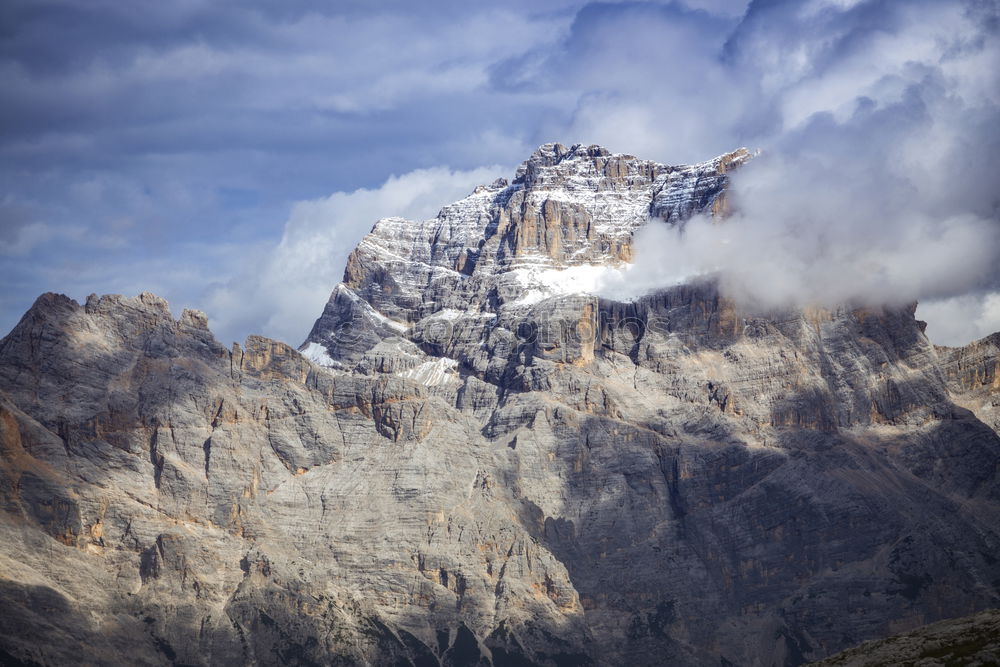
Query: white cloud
[
  {"x": 879, "y": 128},
  {"x": 962, "y": 319},
  {"x": 27, "y": 238},
  {"x": 288, "y": 284}
]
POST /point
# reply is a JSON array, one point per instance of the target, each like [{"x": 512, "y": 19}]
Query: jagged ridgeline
[{"x": 477, "y": 461}]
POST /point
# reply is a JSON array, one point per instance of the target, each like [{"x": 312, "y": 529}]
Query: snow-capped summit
[{"x": 568, "y": 214}]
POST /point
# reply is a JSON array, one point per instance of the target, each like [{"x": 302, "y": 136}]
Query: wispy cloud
[
  {"x": 283, "y": 291},
  {"x": 878, "y": 123}
]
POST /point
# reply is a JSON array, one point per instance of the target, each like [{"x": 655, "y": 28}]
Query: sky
[{"x": 229, "y": 155}]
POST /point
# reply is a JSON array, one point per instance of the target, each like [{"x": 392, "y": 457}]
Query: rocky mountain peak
[
  {"x": 146, "y": 303},
  {"x": 555, "y": 166},
  {"x": 475, "y": 460},
  {"x": 552, "y": 154},
  {"x": 568, "y": 214},
  {"x": 51, "y": 302}
]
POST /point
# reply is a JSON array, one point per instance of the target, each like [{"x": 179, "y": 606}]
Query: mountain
[
  {"x": 478, "y": 268},
  {"x": 476, "y": 459}
]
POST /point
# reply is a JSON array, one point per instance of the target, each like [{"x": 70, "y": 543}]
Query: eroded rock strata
[{"x": 477, "y": 461}]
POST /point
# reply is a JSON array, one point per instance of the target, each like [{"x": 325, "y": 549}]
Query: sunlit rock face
[
  {"x": 566, "y": 219},
  {"x": 475, "y": 459}
]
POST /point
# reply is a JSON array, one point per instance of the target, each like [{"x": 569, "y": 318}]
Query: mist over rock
[
  {"x": 475, "y": 459},
  {"x": 565, "y": 220}
]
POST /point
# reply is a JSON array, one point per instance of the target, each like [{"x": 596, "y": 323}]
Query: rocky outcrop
[
  {"x": 972, "y": 376},
  {"x": 477, "y": 461},
  {"x": 247, "y": 506},
  {"x": 973, "y": 641},
  {"x": 508, "y": 245}
]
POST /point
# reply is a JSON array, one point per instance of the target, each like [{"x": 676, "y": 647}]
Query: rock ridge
[
  {"x": 474, "y": 460},
  {"x": 570, "y": 209}
]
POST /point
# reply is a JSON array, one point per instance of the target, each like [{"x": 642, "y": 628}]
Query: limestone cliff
[
  {"x": 569, "y": 213},
  {"x": 476, "y": 460}
]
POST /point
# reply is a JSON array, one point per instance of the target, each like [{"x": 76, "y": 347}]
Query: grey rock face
[
  {"x": 481, "y": 257},
  {"x": 972, "y": 376},
  {"x": 471, "y": 463}
]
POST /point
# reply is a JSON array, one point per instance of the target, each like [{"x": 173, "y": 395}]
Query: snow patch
[
  {"x": 398, "y": 327},
  {"x": 540, "y": 283},
  {"x": 317, "y": 354},
  {"x": 432, "y": 373},
  {"x": 447, "y": 314}
]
